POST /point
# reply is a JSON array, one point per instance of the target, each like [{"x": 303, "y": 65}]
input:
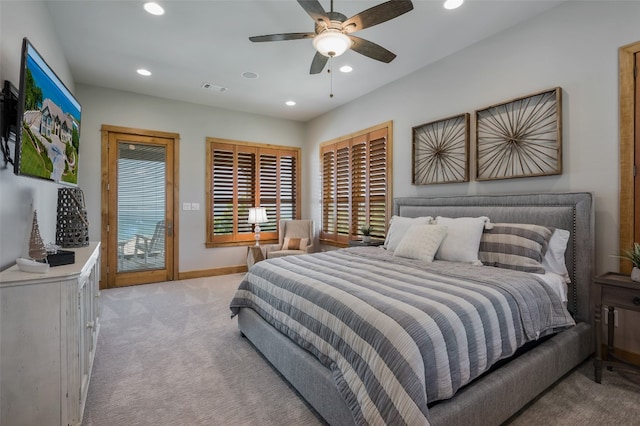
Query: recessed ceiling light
[
  {"x": 290, "y": 103},
  {"x": 453, "y": 4},
  {"x": 153, "y": 8},
  {"x": 250, "y": 75},
  {"x": 346, "y": 68},
  {"x": 143, "y": 72}
]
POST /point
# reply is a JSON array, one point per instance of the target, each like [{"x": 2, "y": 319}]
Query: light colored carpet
[{"x": 169, "y": 354}]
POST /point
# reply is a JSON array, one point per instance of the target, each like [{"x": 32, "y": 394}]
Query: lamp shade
[
  {"x": 331, "y": 43},
  {"x": 257, "y": 215}
]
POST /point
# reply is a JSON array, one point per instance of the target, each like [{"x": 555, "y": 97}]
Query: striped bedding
[{"x": 396, "y": 333}]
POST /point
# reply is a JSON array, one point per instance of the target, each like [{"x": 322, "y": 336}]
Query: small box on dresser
[{"x": 49, "y": 326}]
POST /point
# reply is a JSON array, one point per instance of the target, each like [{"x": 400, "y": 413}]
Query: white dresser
[{"x": 49, "y": 327}]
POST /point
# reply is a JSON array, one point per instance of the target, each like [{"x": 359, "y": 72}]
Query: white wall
[
  {"x": 574, "y": 46},
  {"x": 19, "y": 195},
  {"x": 193, "y": 123}
]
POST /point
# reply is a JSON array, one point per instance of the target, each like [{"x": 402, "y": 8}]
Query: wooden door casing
[
  {"x": 629, "y": 145},
  {"x": 110, "y": 136}
]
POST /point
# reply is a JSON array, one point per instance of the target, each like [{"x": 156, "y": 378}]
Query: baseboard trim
[
  {"x": 630, "y": 357},
  {"x": 203, "y": 273}
]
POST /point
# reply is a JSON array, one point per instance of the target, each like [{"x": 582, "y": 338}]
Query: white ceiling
[{"x": 105, "y": 41}]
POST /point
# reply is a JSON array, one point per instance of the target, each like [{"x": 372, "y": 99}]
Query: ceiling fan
[{"x": 332, "y": 36}]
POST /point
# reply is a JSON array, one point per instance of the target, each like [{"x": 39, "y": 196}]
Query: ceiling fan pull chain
[{"x": 330, "y": 76}]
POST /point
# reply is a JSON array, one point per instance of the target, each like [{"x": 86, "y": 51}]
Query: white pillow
[
  {"x": 421, "y": 242},
  {"x": 554, "y": 257},
  {"x": 398, "y": 228},
  {"x": 462, "y": 241}
]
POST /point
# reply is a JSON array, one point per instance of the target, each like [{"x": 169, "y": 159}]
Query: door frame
[
  {"x": 626, "y": 58},
  {"x": 106, "y": 131}
]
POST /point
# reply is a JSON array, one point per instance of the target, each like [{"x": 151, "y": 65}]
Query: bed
[{"x": 545, "y": 351}]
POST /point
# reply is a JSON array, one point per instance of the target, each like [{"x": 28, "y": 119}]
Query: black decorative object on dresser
[{"x": 613, "y": 290}]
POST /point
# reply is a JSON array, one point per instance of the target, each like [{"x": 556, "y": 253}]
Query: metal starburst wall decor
[{"x": 520, "y": 138}]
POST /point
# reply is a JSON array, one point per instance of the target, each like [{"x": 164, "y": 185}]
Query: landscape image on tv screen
[{"x": 50, "y": 123}]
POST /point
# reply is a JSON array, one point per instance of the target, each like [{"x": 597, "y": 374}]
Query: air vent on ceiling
[{"x": 215, "y": 87}]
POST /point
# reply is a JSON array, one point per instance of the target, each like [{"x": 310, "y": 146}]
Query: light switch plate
[
  {"x": 186, "y": 206},
  {"x": 195, "y": 206}
]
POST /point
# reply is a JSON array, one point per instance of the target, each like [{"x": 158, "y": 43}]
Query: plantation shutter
[
  {"x": 288, "y": 186},
  {"x": 328, "y": 193},
  {"x": 355, "y": 186},
  {"x": 234, "y": 189},
  {"x": 359, "y": 185},
  {"x": 223, "y": 191},
  {"x": 246, "y": 189},
  {"x": 269, "y": 191},
  {"x": 245, "y": 175},
  {"x": 378, "y": 188},
  {"x": 343, "y": 192}
]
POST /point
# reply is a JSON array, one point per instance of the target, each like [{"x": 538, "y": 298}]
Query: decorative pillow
[
  {"x": 554, "y": 257},
  {"x": 421, "y": 242},
  {"x": 398, "y": 228},
  {"x": 463, "y": 239},
  {"x": 518, "y": 246},
  {"x": 295, "y": 243}
]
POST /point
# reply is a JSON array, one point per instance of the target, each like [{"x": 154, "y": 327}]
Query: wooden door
[{"x": 139, "y": 206}]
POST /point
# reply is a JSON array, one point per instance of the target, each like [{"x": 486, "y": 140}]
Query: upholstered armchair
[{"x": 295, "y": 237}]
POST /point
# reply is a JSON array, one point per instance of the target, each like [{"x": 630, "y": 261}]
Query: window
[
  {"x": 242, "y": 175},
  {"x": 356, "y": 185}
]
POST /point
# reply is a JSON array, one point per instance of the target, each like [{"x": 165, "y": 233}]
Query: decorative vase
[
  {"x": 367, "y": 239},
  {"x": 635, "y": 274}
]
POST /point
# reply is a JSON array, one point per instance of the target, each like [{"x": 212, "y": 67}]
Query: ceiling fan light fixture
[{"x": 331, "y": 43}]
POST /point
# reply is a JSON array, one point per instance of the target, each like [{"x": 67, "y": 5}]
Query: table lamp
[{"x": 257, "y": 215}]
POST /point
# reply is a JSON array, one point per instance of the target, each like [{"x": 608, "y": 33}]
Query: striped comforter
[{"x": 397, "y": 333}]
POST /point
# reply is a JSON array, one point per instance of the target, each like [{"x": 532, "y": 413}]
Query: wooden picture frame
[
  {"x": 440, "y": 151},
  {"x": 520, "y": 138}
]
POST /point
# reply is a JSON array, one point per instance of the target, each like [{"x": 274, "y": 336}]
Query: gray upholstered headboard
[{"x": 570, "y": 211}]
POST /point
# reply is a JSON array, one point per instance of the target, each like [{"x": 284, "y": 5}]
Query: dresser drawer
[{"x": 621, "y": 297}]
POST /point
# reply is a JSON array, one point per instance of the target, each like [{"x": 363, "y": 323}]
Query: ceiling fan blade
[
  {"x": 377, "y": 15},
  {"x": 282, "y": 37},
  {"x": 315, "y": 10},
  {"x": 318, "y": 63},
  {"x": 372, "y": 50}
]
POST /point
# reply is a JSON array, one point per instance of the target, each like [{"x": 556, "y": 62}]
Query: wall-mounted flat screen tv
[{"x": 48, "y": 137}]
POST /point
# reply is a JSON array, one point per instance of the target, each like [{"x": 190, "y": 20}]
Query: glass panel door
[
  {"x": 142, "y": 204},
  {"x": 140, "y": 211}
]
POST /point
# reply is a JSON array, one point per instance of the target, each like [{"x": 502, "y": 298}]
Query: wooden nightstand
[
  {"x": 360, "y": 243},
  {"x": 615, "y": 291}
]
